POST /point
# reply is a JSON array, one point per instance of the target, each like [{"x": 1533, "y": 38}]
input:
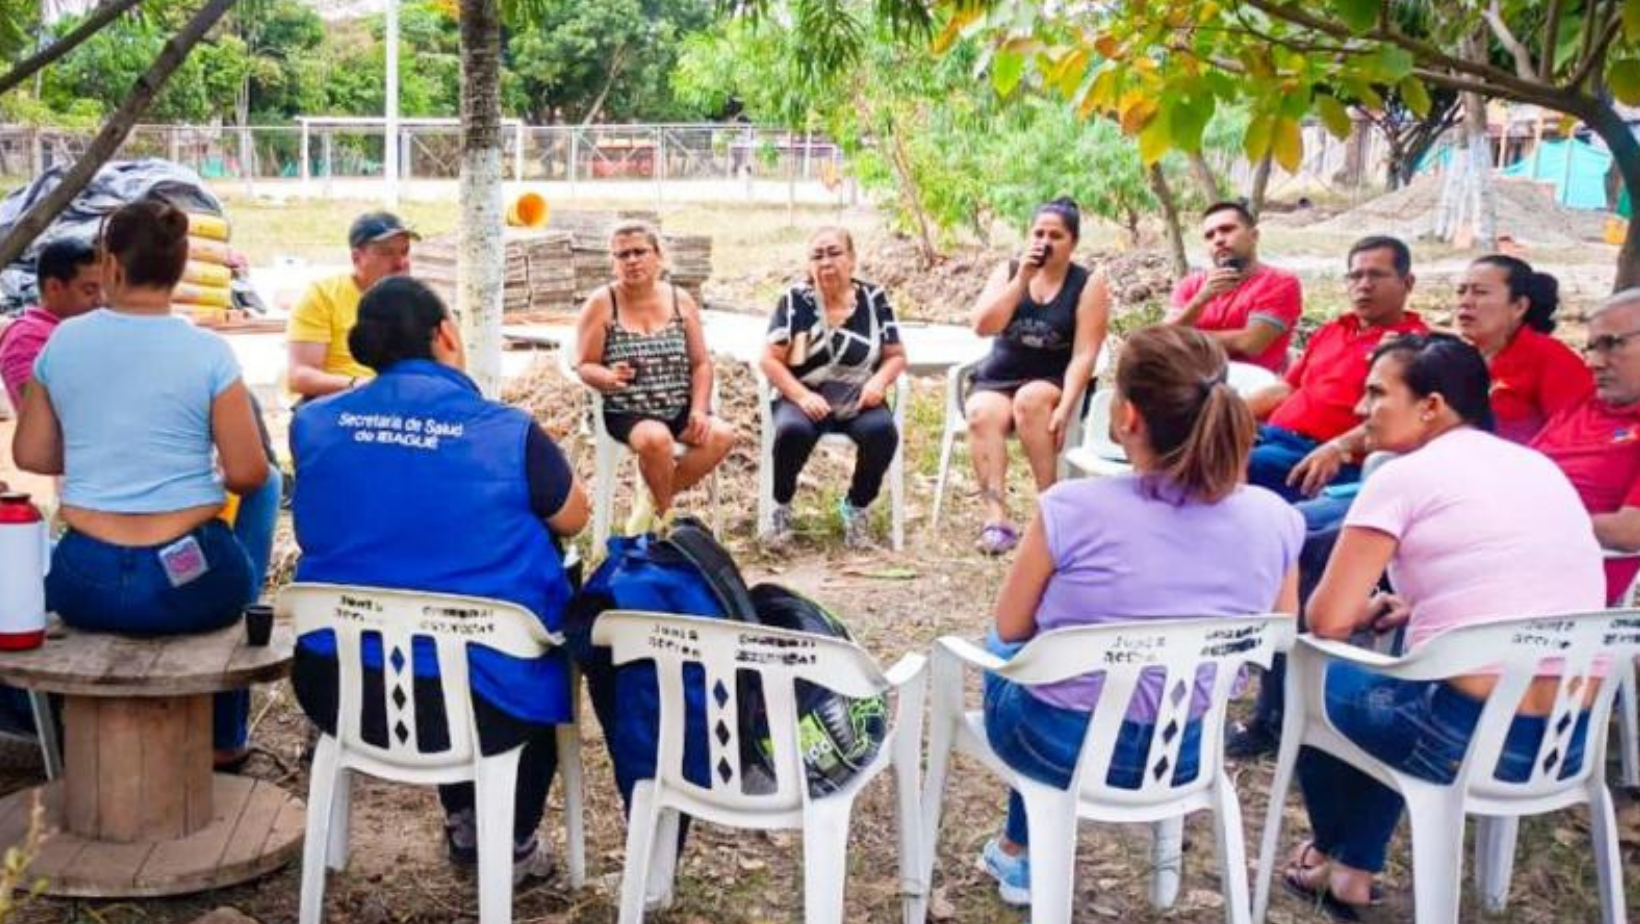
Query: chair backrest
[
  {"x": 398, "y": 619},
  {"x": 1096, "y": 433},
  {"x": 1575, "y": 648},
  {"x": 1176, "y": 650},
  {"x": 1247, "y": 378},
  {"x": 722, "y": 651}
]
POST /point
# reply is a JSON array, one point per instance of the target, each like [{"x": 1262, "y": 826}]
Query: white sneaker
[{"x": 856, "y": 526}]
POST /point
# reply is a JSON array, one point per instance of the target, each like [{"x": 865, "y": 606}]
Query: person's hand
[
  {"x": 694, "y": 432},
  {"x": 1317, "y": 470},
  {"x": 1388, "y": 612},
  {"x": 1219, "y": 280},
  {"x": 1035, "y": 256},
  {"x": 1058, "y": 425},
  {"x": 815, "y": 406},
  {"x": 871, "y": 395},
  {"x": 620, "y": 375}
]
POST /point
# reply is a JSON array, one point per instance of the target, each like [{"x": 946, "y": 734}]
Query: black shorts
[{"x": 619, "y": 424}]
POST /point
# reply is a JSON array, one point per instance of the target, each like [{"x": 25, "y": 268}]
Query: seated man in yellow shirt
[{"x": 320, "y": 362}]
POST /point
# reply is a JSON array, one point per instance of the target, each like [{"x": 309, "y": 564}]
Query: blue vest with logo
[{"x": 415, "y": 481}]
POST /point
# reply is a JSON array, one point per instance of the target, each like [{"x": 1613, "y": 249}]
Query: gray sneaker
[
  {"x": 781, "y": 532},
  {"x": 856, "y": 526}
]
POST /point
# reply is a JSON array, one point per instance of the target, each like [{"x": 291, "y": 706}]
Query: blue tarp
[{"x": 1580, "y": 184}]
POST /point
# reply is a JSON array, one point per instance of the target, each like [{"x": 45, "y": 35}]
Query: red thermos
[{"x": 23, "y": 561}]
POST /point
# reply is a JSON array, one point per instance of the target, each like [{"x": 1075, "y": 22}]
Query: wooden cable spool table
[{"x": 139, "y": 811}]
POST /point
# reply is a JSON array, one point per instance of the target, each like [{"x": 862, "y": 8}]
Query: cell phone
[
  {"x": 1047, "y": 254},
  {"x": 1233, "y": 262}
]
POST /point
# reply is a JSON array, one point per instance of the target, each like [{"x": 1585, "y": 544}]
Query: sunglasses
[
  {"x": 632, "y": 253},
  {"x": 1608, "y": 343}
]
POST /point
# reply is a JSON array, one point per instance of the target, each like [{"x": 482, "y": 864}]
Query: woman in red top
[{"x": 1506, "y": 310}]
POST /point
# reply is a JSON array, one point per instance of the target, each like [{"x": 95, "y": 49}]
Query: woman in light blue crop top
[{"x": 147, "y": 419}]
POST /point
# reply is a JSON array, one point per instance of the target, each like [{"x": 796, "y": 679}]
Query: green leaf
[
  {"x": 1006, "y": 70},
  {"x": 1415, "y": 96},
  {"x": 1624, "y": 79},
  {"x": 1333, "y": 114},
  {"x": 1359, "y": 15},
  {"x": 1187, "y": 119},
  {"x": 1631, "y": 19},
  {"x": 1154, "y": 141},
  {"x": 1287, "y": 144},
  {"x": 1256, "y": 143},
  {"x": 1390, "y": 64},
  {"x": 1363, "y": 93}
]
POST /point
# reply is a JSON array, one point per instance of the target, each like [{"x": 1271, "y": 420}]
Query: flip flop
[
  {"x": 997, "y": 538},
  {"x": 1324, "y": 899}
]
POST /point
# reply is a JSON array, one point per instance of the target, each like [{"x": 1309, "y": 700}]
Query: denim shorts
[{"x": 102, "y": 587}]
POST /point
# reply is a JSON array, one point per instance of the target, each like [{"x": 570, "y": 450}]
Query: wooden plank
[
  {"x": 68, "y": 665},
  {"x": 196, "y": 858},
  {"x": 120, "y": 791},
  {"x": 198, "y": 787},
  {"x": 81, "y": 763},
  {"x": 264, "y": 805},
  {"x": 162, "y": 775},
  {"x": 106, "y": 865}
]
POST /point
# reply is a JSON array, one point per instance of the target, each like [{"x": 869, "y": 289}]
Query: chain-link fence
[{"x": 723, "y": 161}]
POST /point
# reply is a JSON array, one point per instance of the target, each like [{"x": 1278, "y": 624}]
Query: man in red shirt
[
  {"x": 1249, "y": 307},
  {"x": 1314, "y": 405},
  {"x": 1596, "y": 442},
  {"x": 69, "y": 284}
]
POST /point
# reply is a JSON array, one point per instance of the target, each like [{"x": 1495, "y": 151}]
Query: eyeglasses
[
  {"x": 834, "y": 253},
  {"x": 1607, "y": 343},
  {"x": 1370, "y": 275},
  {"x": 632, "y": 253}
]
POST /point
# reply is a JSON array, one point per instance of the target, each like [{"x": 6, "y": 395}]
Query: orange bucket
[
  {"x": 529, "y": 210},
  {"x": 1616, "y": 230}
]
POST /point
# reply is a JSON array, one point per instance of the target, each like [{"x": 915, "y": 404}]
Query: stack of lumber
[{"x": 537, "y": 272}]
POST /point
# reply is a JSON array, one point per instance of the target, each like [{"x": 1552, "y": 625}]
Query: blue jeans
[
  {"x": 100, "y": 587},
  {"x": 1043, "y": 741},
  {"x": 1275, "y": 453},
  {"x": 1418, "y": 727}
]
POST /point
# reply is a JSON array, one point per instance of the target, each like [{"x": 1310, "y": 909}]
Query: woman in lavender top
[{"x": 1181, "y": 536}]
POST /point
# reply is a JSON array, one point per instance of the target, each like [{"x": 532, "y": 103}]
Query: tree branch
[
  {"x": 1523, "y": 58},
  {"x": 1597, "y": 53},
  {"x": 1551, "y": 42},
  {"x": 113, "y": 132},
  {"x": 93, "y": 24},
  {"x": 1560, "y": 100}
]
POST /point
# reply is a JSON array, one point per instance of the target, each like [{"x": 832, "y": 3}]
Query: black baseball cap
[{"x": 377, "y": 226}]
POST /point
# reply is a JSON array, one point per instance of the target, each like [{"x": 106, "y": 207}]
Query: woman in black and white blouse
[{"x": 834, "y": 352}]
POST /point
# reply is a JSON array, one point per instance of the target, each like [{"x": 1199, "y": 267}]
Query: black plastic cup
[{"x": 258, "y": 624}]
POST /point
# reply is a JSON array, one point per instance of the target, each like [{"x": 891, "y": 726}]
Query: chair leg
[
  {"x": 45, "y": 728},
  {"x": 947, "y": 442},
  {"x": 570, "y": 771},
  {"x": 494, "y": 781},
  {"x": 1495, "y": 859},
  {"x": 1292, "y": 726},
  {"x": 825, "y": 859},
  {"x": 663, "y": 869},
  {"x": 1437, "y": 854},
  {"x": 1166, "y": 861},
  {"x": 942, "y": 733},
  {"x": 603, "y": 497},
  {"x": 913, "y": 882},
  {"x": 341, "y": 820},
  {"x": 1608, "y": 857},
  {"x": 1053, "y": 853},
  {"x": 640, "y": 840},
  {"x": 322, "y": 780},
  {"x": 1232, "y": 852},
  {"x": 896, "y": 494},
  {"x": 1628, "y": 718}
]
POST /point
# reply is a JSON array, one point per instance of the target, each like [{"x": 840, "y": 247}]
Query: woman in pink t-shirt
[{"x": 1472, "y": 529}]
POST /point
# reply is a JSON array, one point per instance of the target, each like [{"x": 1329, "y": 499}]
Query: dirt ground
[{"x": 895, "y": 603}]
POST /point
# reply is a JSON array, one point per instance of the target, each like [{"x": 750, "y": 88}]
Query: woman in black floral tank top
[{"x": 641, "y": 345}]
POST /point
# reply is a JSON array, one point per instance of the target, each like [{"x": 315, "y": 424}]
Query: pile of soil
[{"x": 1527, "y": 212}]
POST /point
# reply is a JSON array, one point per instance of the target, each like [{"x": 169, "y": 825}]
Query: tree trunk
[
  {"x": 1206, "y": 180},
  {"x": 93, "y": 24},
  {"x": 1625, "y": 148},
  {"x": 1261, "y": 183},
  {"x": 912, "y": 195},
  {"x": 616, "y": 62},
  {"x": 1466, "y": 215},
  {"x": 1170, "y": 214},
  {"x": 480, "y": 248},
  {"x": 113, "y": 132}
]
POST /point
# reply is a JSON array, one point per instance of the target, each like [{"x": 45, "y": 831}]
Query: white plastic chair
[
  {"x": 779, "y": 659},
  {"x": 451, "y": 623},
  {"x": 1515, "y": 649},
  {"x": 1175, "y": 648},
  {"x": 959, "y": 382},
  {"x": 609, "y": 453},
  {"x": 1628, "y": 715},
  {"x": 1100, "y": 455},
  {"x": 765, "y": 465}
]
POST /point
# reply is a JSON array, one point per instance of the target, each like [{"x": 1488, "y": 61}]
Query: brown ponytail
[{"x": 1199, "y": 428}]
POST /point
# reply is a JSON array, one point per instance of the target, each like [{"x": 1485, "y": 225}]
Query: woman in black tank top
[
  {"x": 639, "y": 342},
  {"x": 1048, "y": 317}
]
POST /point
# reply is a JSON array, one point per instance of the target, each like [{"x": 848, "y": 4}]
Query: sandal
[
  {"x": 1322, "y": 896},
  {"x": 997, "y": 539}
]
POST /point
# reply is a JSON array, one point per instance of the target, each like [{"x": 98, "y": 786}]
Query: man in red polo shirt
[
  {"x": 66, "y": 275},
  {"x": 1249, "y": 307},
  {"x": 1596, "y": 442},
  {"x": 1315, "y": 403}
]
